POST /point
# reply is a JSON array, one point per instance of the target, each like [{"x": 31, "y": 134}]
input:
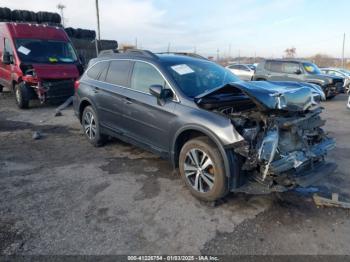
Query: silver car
[
  {"x": 244, "y": 72},
  {"x": 340, "y": 72}
]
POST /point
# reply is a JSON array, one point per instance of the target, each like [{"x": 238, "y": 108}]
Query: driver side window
[{"x": 144, "y": 76}]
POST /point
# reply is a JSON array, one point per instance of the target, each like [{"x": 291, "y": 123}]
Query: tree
[{"x": 290, "y": 52}]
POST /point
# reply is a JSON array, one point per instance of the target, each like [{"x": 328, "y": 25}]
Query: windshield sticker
[
  {"x": 66, "y": 60},
  {"x": 23, "y": 50},
  {"x": 182, "y": 69},
  {"x": 310, "y": 69},
  {"x": 53, "y": 59}
]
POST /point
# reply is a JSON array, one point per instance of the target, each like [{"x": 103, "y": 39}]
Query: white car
[
  {"x": 341, "y": 73},
  {"x": 244, "y": 72}
]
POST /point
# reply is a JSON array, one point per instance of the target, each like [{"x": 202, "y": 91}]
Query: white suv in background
[{"x": 244, "y": 72}]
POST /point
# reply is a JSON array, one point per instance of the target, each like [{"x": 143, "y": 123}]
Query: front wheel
[
  {"x": 202, "y": 168},
  {"x": 22, "y": 95},
  {"x": 91, "y": 127}
]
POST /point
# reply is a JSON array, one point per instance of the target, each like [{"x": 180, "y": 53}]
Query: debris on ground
[
  {"x": 37, "y": 135},
  {"x": 334, "y": 202},
  {"x": 63, "y": 106}
]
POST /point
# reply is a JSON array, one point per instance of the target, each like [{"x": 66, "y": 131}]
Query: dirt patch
[{"x": 291, "y": 219}]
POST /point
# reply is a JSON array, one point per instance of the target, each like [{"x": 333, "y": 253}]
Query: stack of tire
[
  {"x": 80, "y": 33},
  {"x": 6, "y": 15}
]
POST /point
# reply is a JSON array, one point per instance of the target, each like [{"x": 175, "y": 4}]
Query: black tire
[
  {"x": 97, "y": 139},
  {"x": 1, "y": 89},
  {"x": 22, "y": 95},
  {"x": 16, "y": 15},
  {"x": 216, "y": 171},
  {"x": 5, "y": 14}
]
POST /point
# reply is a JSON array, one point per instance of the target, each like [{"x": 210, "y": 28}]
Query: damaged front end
[{"x": 285, "y": 145}]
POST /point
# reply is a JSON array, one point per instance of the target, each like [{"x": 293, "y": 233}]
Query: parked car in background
[
  {"x": 37, "y": 62},
  {"x": 298, "y": 71},
  {"x": 244, "y": 72},
  {"x": 339, "y": 72},
  {"x": 223, "y": 134}
]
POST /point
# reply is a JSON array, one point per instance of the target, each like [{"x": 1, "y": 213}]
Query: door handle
[
  {"x": 95, "y": 89},
  {"x": 127, "y": 101}
]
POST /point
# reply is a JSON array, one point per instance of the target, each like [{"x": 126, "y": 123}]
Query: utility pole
[
  {"x": 229, "y": 51},
  {"x": 98, "y": 27},
  {"x": 239, "y": 56},
  {"x": 136, "y": 42},
  {"x": 168, "y": 48},
  {"x": 217, "y": 55},
  {"x": 61, "y": 7},
  {"x": 343, "y": 53}
]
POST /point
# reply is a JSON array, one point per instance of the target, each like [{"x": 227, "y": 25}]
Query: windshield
[
  {"x": 45, "y": 51},
  {"x": 311, "y": 68},
  {"x": 199, "y": 76}
]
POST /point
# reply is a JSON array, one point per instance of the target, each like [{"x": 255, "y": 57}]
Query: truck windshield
[
  {"x": 311, "y": 68},
  {"x": 199, "y": 76},
  {"x": 45, "y": 51}
]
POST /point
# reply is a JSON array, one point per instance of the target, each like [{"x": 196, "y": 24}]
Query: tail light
[{"x": 76, "y": 85}]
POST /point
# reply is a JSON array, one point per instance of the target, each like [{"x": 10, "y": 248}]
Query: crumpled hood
[
  {"x": 288, "y": 96},
  {"x": 56, "y": 71}
]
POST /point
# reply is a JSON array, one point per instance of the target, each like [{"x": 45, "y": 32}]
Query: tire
[
  {"x": 5, "y": 14},
  {"x": 22, "y": 95},
  {"x": 212, "y": 169},
  {"x": 95, "y": 137},
  {"x": 1, "y": 89},
  {"x": 16, "y": 15}
]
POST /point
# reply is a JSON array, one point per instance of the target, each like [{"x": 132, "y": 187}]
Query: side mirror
[
  {"x": 6, "y": 58},
  {"x": 298, "y": 72},
  {"x": 161, "y": 93}
]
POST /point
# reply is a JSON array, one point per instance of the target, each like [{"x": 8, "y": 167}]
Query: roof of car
[
  {"x": 289, "y": 60},
  {"x": 37, "y": 31},
  {"x": 147, "y": 55}
]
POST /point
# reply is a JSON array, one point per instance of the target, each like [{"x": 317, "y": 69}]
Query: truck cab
[{"x": 37, "y": 62}]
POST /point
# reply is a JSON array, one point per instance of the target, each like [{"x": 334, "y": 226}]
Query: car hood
[
  {"x": 288, "y": 96},
  {"x": 56, "y": 71}
]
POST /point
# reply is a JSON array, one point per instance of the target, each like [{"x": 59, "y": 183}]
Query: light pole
[
  {"x": 61, "y": 7},
  {"x": 98, "y": 35}
]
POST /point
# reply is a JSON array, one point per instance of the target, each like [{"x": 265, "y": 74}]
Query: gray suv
[
  {"x": 299, "y": 71},
  {"x": 222, "y": 134}
]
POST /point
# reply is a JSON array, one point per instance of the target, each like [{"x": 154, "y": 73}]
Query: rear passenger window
[
  {"x": 118, "y": 73},
  {"x": 145, "y": 75},
  {"x": 274, "y": 66},
  {"x": 95, "y": 71}
]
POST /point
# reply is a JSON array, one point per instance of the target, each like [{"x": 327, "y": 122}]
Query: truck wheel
[
  {"x": 91, "y": 127},
  {"x": 22, "y": 95},
  {"x": 202, "y": 168}
]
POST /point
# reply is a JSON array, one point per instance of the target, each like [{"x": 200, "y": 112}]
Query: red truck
[{"x": 37, "y": 62}]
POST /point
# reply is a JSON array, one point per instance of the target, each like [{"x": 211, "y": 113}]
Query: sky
[{"x": 234, "y": 27}]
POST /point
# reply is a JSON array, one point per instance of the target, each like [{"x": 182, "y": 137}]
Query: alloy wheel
[
  {"x": 199, "y": 170},
  {"x": 90, "y": 125}
]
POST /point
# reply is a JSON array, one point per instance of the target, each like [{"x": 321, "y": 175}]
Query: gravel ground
[{"x": 59, "y": 195}]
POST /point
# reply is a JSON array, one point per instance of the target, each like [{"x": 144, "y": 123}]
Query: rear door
[
  {"x": 274, "y": 71},
  {"x": 147, "y": 122},
  {"x": 111, "y": 90}
]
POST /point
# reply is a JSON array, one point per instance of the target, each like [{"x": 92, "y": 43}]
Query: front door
[
  {"x": 6, "y": 70},
  {"x": 148, "y": 122}
]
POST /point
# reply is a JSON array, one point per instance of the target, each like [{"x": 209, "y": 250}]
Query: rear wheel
[
  {"x": 91, "y": 127},
  {"x": 22, "y": 95},
  {"x": 202, "y": 168}
]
